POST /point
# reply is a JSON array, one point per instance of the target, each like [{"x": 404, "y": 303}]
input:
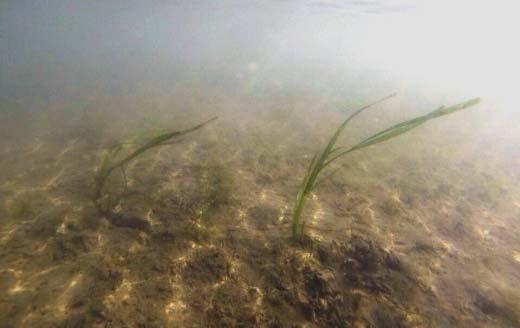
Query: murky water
[{"x": 197, "y": 229}]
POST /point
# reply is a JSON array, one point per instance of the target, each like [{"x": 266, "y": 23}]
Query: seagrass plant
[
  {"x": 110, "y": 164},
  {"x": 331, "y": 153}
]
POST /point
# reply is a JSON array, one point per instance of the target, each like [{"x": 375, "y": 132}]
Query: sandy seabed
[{"x": 416, "y": 233}]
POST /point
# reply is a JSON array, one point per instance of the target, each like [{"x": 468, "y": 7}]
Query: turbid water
[{"x": 195, "y": 230}]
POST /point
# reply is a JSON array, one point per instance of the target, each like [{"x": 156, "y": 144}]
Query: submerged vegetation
[
  {"x": 109, "y": 164},
  {"x": 331, "y": 153}
]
